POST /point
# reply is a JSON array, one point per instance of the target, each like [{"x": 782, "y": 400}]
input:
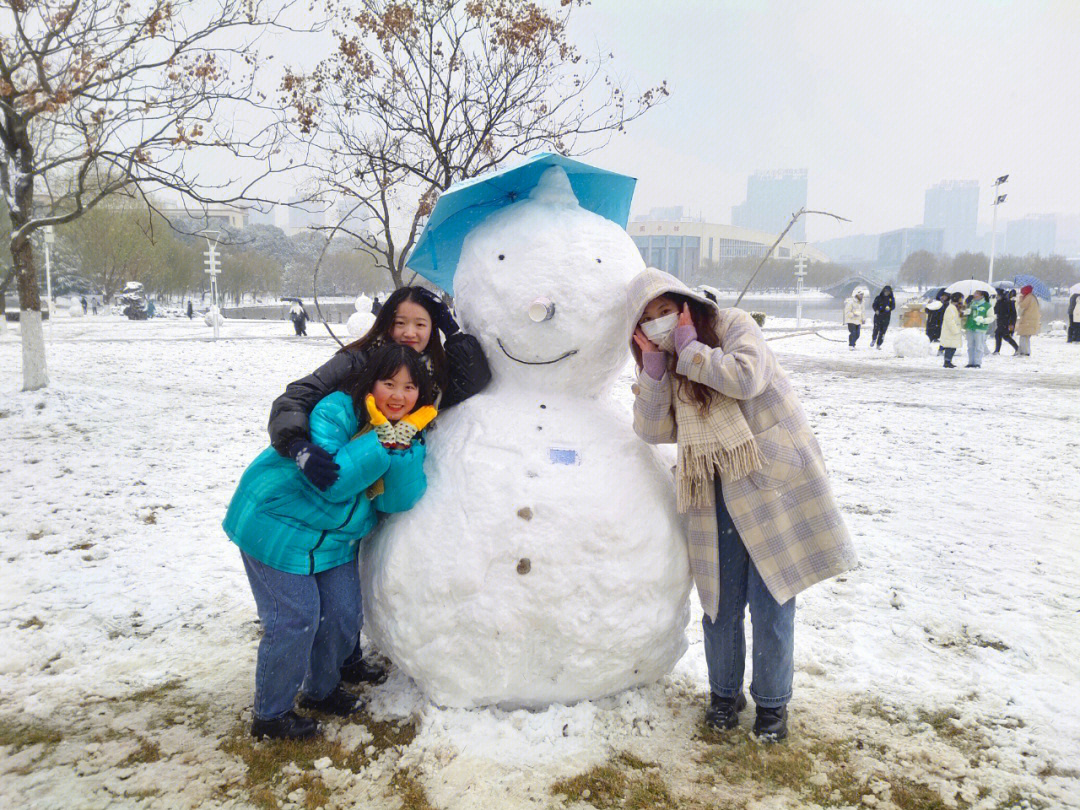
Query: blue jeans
[
  {"x": 976, "y": 342},
  {"x": 310, "y": 624},
  {"x": 773, "y": 625}
]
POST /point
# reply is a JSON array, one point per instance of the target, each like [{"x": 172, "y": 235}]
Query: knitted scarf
[{"x": 718, "y": 442}]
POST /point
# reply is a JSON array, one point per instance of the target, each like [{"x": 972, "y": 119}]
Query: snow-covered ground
[{"x": 948, "y": 659}]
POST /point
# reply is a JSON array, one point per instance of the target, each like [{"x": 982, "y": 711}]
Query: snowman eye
[
  {"x": 502, "y": 256},
  {"x": 598, "y": 261}
]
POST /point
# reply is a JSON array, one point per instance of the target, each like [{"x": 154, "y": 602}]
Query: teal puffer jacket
[{"x": 278, "y": 517}]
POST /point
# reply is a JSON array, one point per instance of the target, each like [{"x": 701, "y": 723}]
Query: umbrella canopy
[
  {"x": 1004, "y": 284},
  {"x": 1037, "y": 286},
  {"x": 464, "y": 205},
  {"x": 968, "y": 287},
  {"x": 1075, "y": 289},
  {"x": 933, "y": 292}
]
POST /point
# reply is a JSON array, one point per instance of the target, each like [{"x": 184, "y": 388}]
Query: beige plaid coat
[{"x": 785, "y": 512}]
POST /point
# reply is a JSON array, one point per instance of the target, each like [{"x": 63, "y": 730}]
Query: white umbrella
[
  {"x": 968, "y": 287},
  {"x": 1075, "y": 289}
]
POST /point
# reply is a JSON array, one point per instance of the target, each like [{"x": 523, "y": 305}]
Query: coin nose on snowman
[{"x": 542, "y": 309}]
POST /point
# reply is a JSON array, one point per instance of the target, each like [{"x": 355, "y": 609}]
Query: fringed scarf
[{"x": 718, "y": 442}]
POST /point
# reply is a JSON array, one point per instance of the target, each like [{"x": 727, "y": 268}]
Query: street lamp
[
  {"x": 998, "y": 200},
  {"x": 212, "y": 269},
  {"x": 800, "y": 274},
  {"x": 50, "y": 239}
]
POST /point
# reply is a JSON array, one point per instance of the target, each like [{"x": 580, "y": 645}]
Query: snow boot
[
  {"x": 723, "y": 713},
  {"x": 363, "y": 672},
  {"x": 338, "y": 702},
  {"x": 290, "y": 726},
  {"x": 770, "y": 725}
]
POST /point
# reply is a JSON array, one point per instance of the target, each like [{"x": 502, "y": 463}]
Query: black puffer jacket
[
  {"x": 884, "y": 304},
  {"x": 1005, "y": 310},
  {"x": 467, "y": 370}
]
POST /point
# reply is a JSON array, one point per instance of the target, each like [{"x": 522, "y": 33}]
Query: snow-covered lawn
[{"x": 943, "y": 672}]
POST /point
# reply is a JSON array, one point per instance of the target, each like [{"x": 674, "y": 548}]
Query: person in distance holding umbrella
[{"x": 1029, "y": 319}]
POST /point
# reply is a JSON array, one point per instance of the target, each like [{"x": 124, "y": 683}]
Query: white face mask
[{"x": 658, "y": 329}]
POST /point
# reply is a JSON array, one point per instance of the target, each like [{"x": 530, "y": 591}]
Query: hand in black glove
[
  {"x": 315, "y": 463},
  {"x": 444, "y": 319}
]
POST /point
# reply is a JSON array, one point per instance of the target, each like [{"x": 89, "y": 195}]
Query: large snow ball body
[
  {"x": 546, "y": 562},
  {"x": 911, "y": 343},
  {"x": 359, "y": 323}
]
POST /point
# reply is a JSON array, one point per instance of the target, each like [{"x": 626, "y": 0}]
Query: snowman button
[{"x": 524, "y": 566}]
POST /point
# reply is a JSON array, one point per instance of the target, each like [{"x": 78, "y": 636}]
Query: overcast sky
[{"x": 877, "y": 99}]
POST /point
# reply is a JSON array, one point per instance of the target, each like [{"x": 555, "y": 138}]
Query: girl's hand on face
[
  {"x": 684, "y": 316},
  {"x": 643, "y": 343}
]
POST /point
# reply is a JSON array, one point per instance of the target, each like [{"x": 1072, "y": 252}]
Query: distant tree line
[{"x": 924, "y": 269}]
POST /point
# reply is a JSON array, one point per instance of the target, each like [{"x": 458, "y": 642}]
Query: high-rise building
[
  {"x": 953, "y": 206},
  {"x": 771, "y": 200},
  {"x": 1036, "y": 233},
  {"x": 895, "y": 246}
]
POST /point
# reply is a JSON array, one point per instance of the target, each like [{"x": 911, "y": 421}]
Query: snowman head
[{"x": 541, "y": 283}]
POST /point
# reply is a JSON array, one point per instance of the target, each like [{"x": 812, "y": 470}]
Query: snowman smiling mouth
[{"x": 562, "y": 356}]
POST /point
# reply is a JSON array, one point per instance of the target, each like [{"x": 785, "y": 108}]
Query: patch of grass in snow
[
  {"x": 22, "y": 735},
  {"x": 148, "y": 751},
  {"x": 86, "y": 545},
  {"x": 1050, "y": 769},
  {"x": 623, "y": 781},
  {"x": 36, "y": 535},
  {"x": 33, "y": 623},
  {"x": 1017, "y": 800},
  {"x": 407, "y": 787},
  {"x": 154, "y": 694},
  {"x": 907, "y": 794},
  {"x": 316, "y": 793}
]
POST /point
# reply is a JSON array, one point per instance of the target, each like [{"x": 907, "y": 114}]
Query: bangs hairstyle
[
  {"x": 379, "y": 332},
  {"x": 384, "y": 362},
  {"x": 704, "y": 318}
]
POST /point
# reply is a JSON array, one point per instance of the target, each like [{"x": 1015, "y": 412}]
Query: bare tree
[
  {"x": 422, "y": 93},
  {"x": 101, "y": 97}
]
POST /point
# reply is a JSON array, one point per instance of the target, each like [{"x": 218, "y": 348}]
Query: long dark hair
[
  {"x": 385, "y": 361},
  {"x": 704, "y": 318},
  {"x": 379, "y": 333}
]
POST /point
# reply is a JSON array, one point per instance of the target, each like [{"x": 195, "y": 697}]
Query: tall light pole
[
  {"x": 212, "y": 269},
  {"x": 800, "y": 274},
  {"x": 998, "y": 200},
  {"x": 50, "y": 238}
]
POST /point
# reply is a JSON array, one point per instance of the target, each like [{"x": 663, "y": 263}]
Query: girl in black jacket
[
  {"x": 412, "y": 316},
  {"x": 884, "y": 304}
]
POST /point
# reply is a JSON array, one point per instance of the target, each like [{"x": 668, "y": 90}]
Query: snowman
[{"x": 546, "y": 562}]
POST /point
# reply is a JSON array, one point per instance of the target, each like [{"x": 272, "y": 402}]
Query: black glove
[
  {"x": 444, "y": 319},
  {"x": 315, "y": 463}
]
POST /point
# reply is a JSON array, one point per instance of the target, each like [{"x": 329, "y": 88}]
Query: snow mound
[
  {"x": 75, "y": 309},
  {"x": 911, "y": 343},
  {"x": 359, "y": 323},
  {"x": 209, "y": 317}
]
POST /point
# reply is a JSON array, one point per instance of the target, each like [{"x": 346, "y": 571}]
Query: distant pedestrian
[
  {"x": 1005, "y": 310},
  {"x": 952, "y": 330},
  {"x": 978, "y": 322},
  {"x": 1028, "y": 320},
  {"x": 376, "y": 306},
  {"x": 1074, "y": 319},
  {"x": 299, "y": 318},
  {"x": 883, "y": 306},
  {"x": 853, "y": 317},
  {"x": 935, "y": 313},
  {"x": 93, "y": 305},
  {"x": 84, "y": 304},
  {"x": 150, "y": 309},
  {"x": 190, "y": 309}
]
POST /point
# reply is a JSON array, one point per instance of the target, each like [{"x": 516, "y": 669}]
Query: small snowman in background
[
  {"x": 546, "y": 562},
  {"x": 362, "y": 320}
]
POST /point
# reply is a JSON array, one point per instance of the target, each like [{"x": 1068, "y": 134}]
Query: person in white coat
[
  {"x": 952, "y": 329},
  {"x": 854, "y": 317}
]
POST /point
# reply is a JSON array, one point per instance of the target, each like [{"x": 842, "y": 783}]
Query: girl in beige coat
[
  {"x": 952, "y": 328},
  {"x": 1028, "y": 319},
  {"x": 763, "y": 521}
]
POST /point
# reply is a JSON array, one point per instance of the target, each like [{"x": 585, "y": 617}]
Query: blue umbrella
[
  {"x": 465, "y": 205},
  {"x": 1038, "y": 287}
]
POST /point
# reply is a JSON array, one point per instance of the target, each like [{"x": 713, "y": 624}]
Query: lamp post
[
  {"x": 212, "y": 269},
  {"x": 998, "y": 200},
  {"x": 800, "y": 274},
  {"x": 50, "y": 239}
]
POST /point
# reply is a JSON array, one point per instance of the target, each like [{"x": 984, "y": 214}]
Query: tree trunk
[{"x": 35, "y": 374}]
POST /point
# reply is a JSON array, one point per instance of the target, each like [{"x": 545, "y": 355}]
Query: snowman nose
[{"x": 542, "y": 309}]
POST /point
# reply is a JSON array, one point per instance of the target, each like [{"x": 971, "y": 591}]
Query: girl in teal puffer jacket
[{"x": 299, "y": 543}]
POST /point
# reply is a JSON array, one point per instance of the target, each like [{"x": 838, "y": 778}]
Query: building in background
[
  {"x": 953, "y": 206},
  {"x": 771, "y": 199},
  {"x": 895, "y": 246},
  {"x": 208, "y": 216},
  {"x": 680, "y": 247},
  {"x": 304, "y": 215},
  {"x": 263, "y": 214},
  {"x": 1036, "y": 233}
]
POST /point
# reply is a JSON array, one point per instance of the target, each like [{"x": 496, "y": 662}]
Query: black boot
[
  {"x": 290, "y": 726},
  {"x": 338, "y": 702},
  {"x": 363, "y": 672},
  {"x": 771, "y": 724},
  {"x": 723, "y": 713}
]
